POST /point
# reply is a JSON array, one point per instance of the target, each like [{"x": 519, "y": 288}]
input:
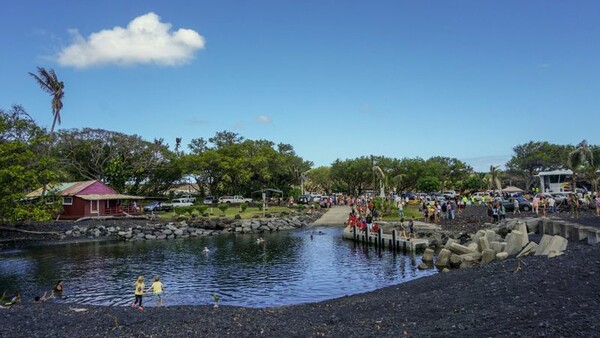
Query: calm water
[{"x": 287, "y": 268}]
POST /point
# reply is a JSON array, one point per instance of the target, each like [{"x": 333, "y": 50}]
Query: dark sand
[{"x": 547, "y": 297}]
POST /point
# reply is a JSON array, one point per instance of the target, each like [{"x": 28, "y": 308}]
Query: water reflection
[{"x": 287, "y": 268}]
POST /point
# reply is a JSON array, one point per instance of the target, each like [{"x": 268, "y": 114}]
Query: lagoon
[{"x": 286, "y": 268}]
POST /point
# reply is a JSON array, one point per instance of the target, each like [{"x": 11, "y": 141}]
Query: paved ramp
[{"x": 336, "y": 215}]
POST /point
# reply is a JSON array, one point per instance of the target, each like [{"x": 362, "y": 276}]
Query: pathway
[{"x": 336, "y": 215}]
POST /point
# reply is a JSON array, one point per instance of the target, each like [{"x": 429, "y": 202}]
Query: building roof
[
  {"x": 62, "y": 189},
  {"x": 556, "y": 172},
  {"x": 97, "y": 191},
  {"x": 97, "y": 197}
]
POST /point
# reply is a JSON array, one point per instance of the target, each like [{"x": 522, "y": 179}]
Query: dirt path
[{"x": 336, "y": 215}]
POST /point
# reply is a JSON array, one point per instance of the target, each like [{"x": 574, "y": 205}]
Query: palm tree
[
  {"x": 577, "y": 160},
  {"x": 493, "y": 178},
  {"x": 381, "y": 175},
  {"x": 50, "y": 84}
]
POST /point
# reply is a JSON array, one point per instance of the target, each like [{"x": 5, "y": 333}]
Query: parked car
[
  {"x": 479, "y": 195},
  {"x": 449, "y": 194},
  {"x": 237, "y": 199},
  {"x": 210, "y": 200},
  {"x": 524, "y": 204},
  {"x": 152, "y": 206},
  {"x": 304, "y": 199}
]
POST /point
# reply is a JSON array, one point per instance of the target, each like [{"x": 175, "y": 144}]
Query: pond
[{"x": 286, "y": 268}]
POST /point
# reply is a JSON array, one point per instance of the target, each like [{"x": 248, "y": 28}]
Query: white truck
[{"x": 237, "y": 199}]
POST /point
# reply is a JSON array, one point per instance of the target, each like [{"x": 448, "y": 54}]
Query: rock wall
[{"x": 185, "y": 229}]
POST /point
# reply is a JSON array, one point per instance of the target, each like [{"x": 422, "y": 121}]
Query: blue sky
[{"x": 335, "y": 79}]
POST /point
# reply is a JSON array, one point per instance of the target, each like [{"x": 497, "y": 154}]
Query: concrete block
[
  {"x": 428, "y": 255},
  {"x": 488, "y": 256},
  {"x": 531, "y": 247},
  {"x": 557, "y": 244},
  {"x": 514, "y": 242},
  {"x": 484, "y": 244},
  {"x": 476, "y": 256},
  {"x": 579, "y": 232},
  {"x": 522, "y": 227},
  {"x": 460, "y": 249},
  {"x": 496, "y": 246},
  {"x": 443, "y": 258},
  {"x": 534, "y": 224},
  {"x": 501, "y": 256},
  {"x": 473, "y": 246},
  {"x": 490, "y": 235},
  {"x": 593, "y": 236},
  {"x": 449, "y": 242},
  {"x": 478, "y": 234},
  {"x": 466, "y": 262},
  {"x": 544, "y": 242},
  {"x": 455, "y": 261}
]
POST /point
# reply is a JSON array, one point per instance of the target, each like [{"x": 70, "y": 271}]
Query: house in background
[{"x": 91, "y": 199}]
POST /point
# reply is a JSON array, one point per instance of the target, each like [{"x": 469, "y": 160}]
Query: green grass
[
  {"x": 409, "y": 212},
  {"x": 232, "y": 211}
]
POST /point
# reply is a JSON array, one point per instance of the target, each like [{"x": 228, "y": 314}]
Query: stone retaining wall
[{"x": 185, "y": 229}]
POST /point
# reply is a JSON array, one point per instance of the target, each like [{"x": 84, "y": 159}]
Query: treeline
[
  {"x": 355, "y": 176},
  {"x": 226, "y": 163}
]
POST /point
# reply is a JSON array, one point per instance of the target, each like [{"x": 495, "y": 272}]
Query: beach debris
[{"x": 78, "y": 309}]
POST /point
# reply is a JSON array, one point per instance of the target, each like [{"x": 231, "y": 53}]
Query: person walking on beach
[
  {"x": 158, "y": 289},
  {"x": 139, "y": 293},
  {"x": 516, "y": 206}
]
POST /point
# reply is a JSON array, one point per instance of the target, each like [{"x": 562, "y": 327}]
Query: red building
[{"x": 91, "y": 199}]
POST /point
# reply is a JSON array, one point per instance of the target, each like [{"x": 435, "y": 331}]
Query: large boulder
[
  {"x": 428, "y": 256},
  {"x": 487, "y": 256},
  {"x": 443, "y": 258},
  {"x": 460, "y": 249},
  {"x": 529, "y": 248},
  {"x": 514, "y": 242}
]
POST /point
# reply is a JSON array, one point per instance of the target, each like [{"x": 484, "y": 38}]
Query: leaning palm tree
[
  {"x": 381, "y": 175},
  {"x": 50, "y": 84},
  {"x": 578, "y": 158}
]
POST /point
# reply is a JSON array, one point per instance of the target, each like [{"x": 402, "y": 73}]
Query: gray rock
[
  {"x": 150, "y": 237},
  {"x": 443, "y": 258},
  {"x": 428, "y": 255},
  {"x": 178, "y": 232},
  {"x": 488, "y": 256},
  {"x": 501, "y": 256}
]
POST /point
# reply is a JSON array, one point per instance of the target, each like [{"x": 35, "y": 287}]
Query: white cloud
[
  {"x": 264, "y": 119},
  {"x": 145, "y": 40}
]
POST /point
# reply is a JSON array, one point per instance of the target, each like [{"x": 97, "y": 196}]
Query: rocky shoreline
[{"x": 144, "y": 229}]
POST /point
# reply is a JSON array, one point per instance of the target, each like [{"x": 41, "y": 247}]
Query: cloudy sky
[{"x": 335, "y": 79}]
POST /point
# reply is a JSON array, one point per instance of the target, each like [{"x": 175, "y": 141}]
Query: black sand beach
[{"x": 546, "y": 297}]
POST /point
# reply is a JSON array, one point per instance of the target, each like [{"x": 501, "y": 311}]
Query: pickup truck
[{"x": 237, "y": 199}]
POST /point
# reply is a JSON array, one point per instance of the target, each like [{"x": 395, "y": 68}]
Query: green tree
[
  {"x": 531, "y": 158},
  {"x": 581, "y": 161},
  {"x": 474, "y": 182},
  {"x": 352, "y": 176},
  {"x": 49, "y": 82},
  {"x": 127, "y": 163},
  {"x": 428, "y": 184},
  {"x": 319, "y": 179},
  {"x": 24, "y": 167}
]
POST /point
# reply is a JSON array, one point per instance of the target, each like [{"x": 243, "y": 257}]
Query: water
[{"x": 287, "y": 268}]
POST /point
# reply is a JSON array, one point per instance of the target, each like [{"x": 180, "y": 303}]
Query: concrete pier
[{"x": 389, "y": 240}]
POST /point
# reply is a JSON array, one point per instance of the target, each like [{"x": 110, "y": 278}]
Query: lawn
[{"x": 214, "y": 212}]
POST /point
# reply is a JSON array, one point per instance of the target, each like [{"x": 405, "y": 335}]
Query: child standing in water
[
  {"x": 157, "y": 289},
  {"x": 139, "y": 292}
]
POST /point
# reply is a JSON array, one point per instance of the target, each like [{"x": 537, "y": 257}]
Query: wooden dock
[{"x": 392, "y": 241}]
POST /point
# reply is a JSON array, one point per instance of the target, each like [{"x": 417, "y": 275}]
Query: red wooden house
[{"x": 91, "y": 199}]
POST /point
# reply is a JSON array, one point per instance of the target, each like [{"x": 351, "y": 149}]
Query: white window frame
[{"x": 64, "y": 201}]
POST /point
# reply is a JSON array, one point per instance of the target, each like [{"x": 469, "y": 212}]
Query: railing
[{"x": 122, "y": 210}]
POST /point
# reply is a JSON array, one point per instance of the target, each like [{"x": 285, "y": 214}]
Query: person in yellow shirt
[
  {"x": 139, "y": 292},
  {"x": 157, "y": 290}
]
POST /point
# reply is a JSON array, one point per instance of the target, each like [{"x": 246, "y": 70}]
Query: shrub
[
  {"x": 244, "y": 206},
  {"x": 223, "y": 207}
]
